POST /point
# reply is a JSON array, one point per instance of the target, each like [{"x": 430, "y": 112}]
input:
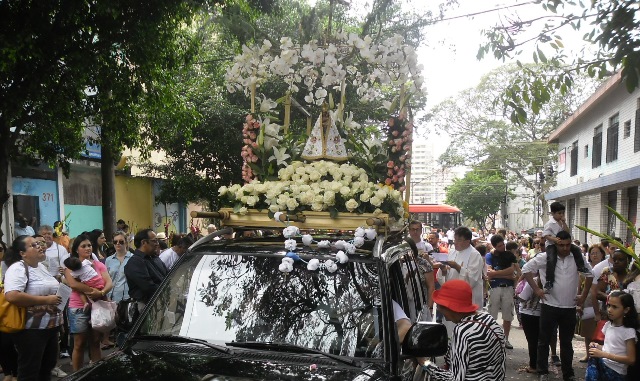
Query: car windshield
[{"x": 238, "y": 297}]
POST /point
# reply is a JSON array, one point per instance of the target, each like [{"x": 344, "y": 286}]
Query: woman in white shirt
[{"x": 29, "y": 284}]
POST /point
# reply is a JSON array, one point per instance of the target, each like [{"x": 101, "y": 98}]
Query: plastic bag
[{"x": 103, "y": 315}]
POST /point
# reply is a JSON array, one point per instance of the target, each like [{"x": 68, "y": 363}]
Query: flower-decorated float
[{"x": 338, "y": 176}]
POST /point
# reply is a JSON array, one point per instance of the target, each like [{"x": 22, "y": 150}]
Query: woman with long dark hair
[
  {"x": 29, "y": 284},
  {"x": 99, "y": 244},
  {"x": 79, "y": 318}
]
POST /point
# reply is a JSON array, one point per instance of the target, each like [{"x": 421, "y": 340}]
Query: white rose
[
  {"x": 317, "y": 206},
  {"x": 324, "y": 244},
  {"x": 251, "y": 200},
  {"x": 341, "y": 257},
  {"x": 290, "y": 231},
  {"x": 375, "y": 201},
  {"x": 351, "y": 205},
  {"x": 349, "y": 248},
  {"x": 359, "y": 232},
  {"x": 329, "y": 198},
  {"x": 290, "y": 244},
  {"x": 285, "y": 267},
  {"x": 365, "y": 196},
  {"x": 288, "y": 260},
  {"x": 339, "y": 244},
  {"x": 242, "y": 211},
  {"x": 222, "y": 190},
  {"x": 345, "y": 191},
  {"x": 307, "y": 239},
  {"x": 377, "y": 212},
  {"x": 358, "y": 241},
  {"x": 370, "y": 233},
  {"x": 274, "y": 208},
  {"x": 313, "y": 264},
  {"x": 292, "y": 203},
  {"x": 330, "y": 266}
]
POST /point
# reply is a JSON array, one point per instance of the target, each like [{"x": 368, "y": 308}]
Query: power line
[{"x": 481, "y": 12}]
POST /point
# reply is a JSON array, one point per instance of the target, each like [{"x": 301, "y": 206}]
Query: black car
[{"x": 226, "y": 311}]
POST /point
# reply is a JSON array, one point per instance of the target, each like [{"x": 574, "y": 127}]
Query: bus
[{"x": 436, "y": 216}]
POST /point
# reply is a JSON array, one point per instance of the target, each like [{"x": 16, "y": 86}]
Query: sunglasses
[{"x": 118, "y": 242}]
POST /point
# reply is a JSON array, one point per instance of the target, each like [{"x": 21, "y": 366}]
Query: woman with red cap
[{"x": 476, "y": 351}]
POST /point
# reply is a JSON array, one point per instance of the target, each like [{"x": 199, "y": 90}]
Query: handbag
[
  {"x": 126, "y": 314},
  {"x": 103, "y": 315},
  {"x": 598, "y": 335},
  {"x": 12, "y": 317}
]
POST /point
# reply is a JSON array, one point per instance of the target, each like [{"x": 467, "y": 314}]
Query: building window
[
  {"x": 586, "y": 150},
  {"x": 596, "y": 157},
  {"x": 574, "y": 159},
  {"x": 612, "y": 139},
  {"x": 627, "y": 129},
  {"x": 612, "y": 201},
  {"x": 636, "y": 136}
]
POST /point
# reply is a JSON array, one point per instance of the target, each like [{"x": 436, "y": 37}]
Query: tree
[
  {"x": 200, "y": 161},
  {"x": 108, "y": 65},
  {"x": 483, "y": 138},
  {"x": 614, "y": 25},
  {"x": 479, "y": 195}
]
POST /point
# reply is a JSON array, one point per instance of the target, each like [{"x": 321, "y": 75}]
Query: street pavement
[{"x": 517, "y": 358}]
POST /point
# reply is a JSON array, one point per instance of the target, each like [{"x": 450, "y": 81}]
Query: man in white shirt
[
  {"x": 450, "y": 236},
  {"x": 56, "y": 254},
  {"x": 22, "y": 227},
  {"x": 170, "y": 256},
  {"x": 464, "y": 262},
  {"x": 415, "y": 232},
  {"x": 559, "y": 306}
]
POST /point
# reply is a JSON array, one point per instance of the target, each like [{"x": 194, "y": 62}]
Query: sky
[{"x": 449, "y": 52}]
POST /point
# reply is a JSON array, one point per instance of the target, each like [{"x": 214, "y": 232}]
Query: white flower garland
[{"x": 331, "y": 265}]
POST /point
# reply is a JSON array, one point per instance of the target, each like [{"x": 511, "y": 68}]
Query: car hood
[{"x": 189, "y": 362}]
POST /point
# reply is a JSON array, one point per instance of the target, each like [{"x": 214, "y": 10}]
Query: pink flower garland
[
  {"x": 399, "y": 138},
  {"x": 250, "y": 131}
]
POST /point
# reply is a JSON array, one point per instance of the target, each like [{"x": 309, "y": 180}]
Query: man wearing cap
[
  {"x": 476, "y": 350},
  {"x": 464, "y": 262}
]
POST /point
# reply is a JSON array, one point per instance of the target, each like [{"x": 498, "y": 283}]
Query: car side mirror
[{"x": 426, "y": 339}]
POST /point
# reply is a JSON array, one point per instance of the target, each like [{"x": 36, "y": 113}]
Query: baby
[{"x": 84, "y": 272}]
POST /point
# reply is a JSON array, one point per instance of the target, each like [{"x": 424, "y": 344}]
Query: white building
[
  {"x": 428, "y": 178},
  {"x": 599, "y": 161}
]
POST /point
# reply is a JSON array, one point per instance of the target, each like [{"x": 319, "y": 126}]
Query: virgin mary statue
[{"x": 325, "y": 141}]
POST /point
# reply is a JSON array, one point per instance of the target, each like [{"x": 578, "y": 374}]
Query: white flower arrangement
[
  {"x": 317, "y": 68},
  {"x": 317, "y": 186}
]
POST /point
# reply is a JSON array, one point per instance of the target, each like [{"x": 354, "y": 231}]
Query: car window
[
  {"x": 407, "y": 285},
  {"x": 224, "y": 298}
]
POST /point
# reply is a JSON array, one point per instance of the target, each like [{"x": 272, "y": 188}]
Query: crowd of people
[
  {"x": 554, "y": 286},
  {"x": 35, "y": 265}
]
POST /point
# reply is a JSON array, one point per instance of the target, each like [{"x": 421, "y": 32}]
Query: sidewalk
[{"x": 518, "y": 357}]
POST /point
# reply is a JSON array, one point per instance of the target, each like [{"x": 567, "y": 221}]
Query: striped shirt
[{"x": 476, "y": 352}]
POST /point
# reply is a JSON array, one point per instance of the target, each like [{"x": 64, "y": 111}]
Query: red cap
[{"x": 456, "y": 295}]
